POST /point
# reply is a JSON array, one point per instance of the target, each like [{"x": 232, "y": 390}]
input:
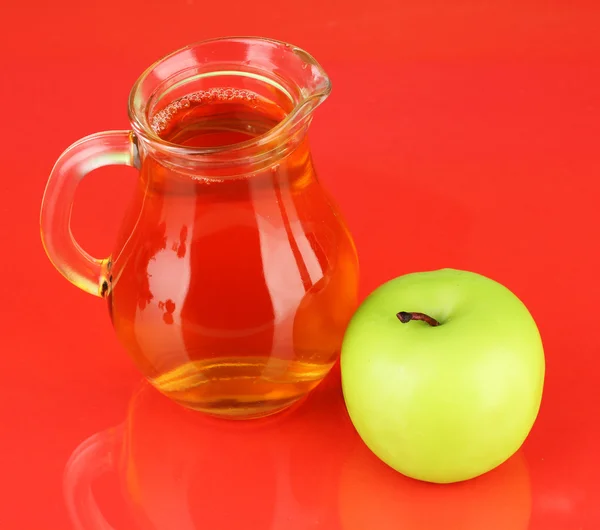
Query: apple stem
[{"x": 405, "y": 317}]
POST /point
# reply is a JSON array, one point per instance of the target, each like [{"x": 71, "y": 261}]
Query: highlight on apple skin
[{"x": 442, "y": 374}]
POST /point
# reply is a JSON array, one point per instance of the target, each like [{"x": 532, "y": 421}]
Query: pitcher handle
[
  {"x": 92, "y": 458},
  {"x": 92, "y": 152}
]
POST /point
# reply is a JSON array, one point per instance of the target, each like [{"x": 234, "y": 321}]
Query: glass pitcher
[{"x": 233, "y": 276}]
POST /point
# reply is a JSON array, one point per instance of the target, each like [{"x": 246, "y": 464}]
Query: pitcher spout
[{"x": 314, "y": 85}]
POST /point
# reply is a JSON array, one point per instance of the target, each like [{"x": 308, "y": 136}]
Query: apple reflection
[{"x": 374, "y": 496}]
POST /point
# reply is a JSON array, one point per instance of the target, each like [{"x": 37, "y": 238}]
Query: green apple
[{"x": 442, "y": 374}]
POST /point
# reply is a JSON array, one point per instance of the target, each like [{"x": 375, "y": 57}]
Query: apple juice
[{"x": 232, "y": 292}]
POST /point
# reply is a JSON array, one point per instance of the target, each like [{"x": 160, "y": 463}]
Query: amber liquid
[{"x": 232, "y": 294}]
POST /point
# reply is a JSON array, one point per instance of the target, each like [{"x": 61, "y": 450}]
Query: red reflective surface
[{"x": 474, "y": 123}]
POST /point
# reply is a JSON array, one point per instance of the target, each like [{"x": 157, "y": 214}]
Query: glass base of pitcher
[
  {"x": 242, "y": 387},
  {"x": 240, "y": 410}
]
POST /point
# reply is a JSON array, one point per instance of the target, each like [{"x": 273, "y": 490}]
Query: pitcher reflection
[{"x": 181, "y": 471}]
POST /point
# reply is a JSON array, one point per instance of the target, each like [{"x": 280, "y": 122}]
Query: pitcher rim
[{"x": 141, "y": 126}]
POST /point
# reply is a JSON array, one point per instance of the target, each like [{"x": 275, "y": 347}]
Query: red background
[{"x": 468, "y": 129}]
